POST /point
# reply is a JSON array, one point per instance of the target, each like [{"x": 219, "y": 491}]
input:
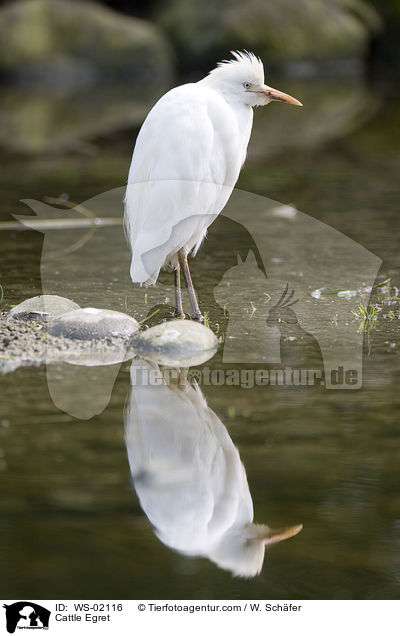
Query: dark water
[{"x": 71, "y": 523}]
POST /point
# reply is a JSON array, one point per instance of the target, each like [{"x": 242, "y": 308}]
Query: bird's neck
[{"x": 232, "y": 97}]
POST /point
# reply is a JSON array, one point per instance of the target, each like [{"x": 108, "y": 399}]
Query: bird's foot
[
  {"x": 179, "y": 313},
  {"x": 197, "y": 316}
]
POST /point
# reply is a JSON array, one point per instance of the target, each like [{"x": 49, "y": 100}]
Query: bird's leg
[
  {"x": 178, "y": 313},
  {"x": 194, "y": 305}
]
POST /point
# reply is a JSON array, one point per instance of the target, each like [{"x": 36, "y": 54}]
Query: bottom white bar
[{"x": 195, "y": 616}]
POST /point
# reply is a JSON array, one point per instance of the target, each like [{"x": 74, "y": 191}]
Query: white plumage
[
  {"x": 189, "y": 477},
  {"x": 186, "y": 161}
]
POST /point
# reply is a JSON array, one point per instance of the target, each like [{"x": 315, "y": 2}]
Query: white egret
[
  {"x": 186, "y": 161},
  {"x": 189, "y": 477}
]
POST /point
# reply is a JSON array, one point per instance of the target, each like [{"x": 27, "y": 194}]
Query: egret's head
[
  {"x": 242, "y": 79},
  {"x": 242, "y": 550}
]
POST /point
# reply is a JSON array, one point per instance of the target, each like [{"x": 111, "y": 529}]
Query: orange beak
[{"x": 278, "y": 96}]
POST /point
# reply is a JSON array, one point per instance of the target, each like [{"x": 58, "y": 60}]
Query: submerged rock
[
  {"x": 100, "y": 355},
  {"x": 48, "y": 121},
  {"x": 325, "y": 292},
  {"x": 177, "y": 343},
  {"x": 42, "y": 308},
  {"x": 338, "y": 108},
  {"x": 93, "y": 324}
]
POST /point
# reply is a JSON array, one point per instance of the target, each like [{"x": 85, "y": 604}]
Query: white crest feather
[{"x": 245, "y": 63}]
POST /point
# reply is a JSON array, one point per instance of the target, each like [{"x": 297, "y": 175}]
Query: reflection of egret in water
[{"x": 189, "y": 477}]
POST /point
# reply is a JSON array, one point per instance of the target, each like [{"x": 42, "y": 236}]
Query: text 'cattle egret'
[{"x": 186, "y": 161}]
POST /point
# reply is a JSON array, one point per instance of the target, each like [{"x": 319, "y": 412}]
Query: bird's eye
[{"x": 246, "y": 85}]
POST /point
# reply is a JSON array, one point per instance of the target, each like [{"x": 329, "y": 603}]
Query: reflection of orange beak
[
  {"x": 274, "y": 536},
  {"x": 278, "y": 96}
]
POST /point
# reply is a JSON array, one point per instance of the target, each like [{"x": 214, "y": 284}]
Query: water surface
[{"x": 72, "y": 525}]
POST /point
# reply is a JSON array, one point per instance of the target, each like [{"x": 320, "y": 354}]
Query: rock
[
  {"x": 79, "y": 42},
  {"x": 42, "y": 308},
  {"x": 93, "y": 324},
  {"x": 176, "y": 343},
  {"x": 278, "y": 30},
  {"x": 27, "y": 343},
  {"x": 76, "y": 71}
]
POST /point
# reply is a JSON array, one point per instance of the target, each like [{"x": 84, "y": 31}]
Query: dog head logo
[{"x": 26, "y": 615}]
